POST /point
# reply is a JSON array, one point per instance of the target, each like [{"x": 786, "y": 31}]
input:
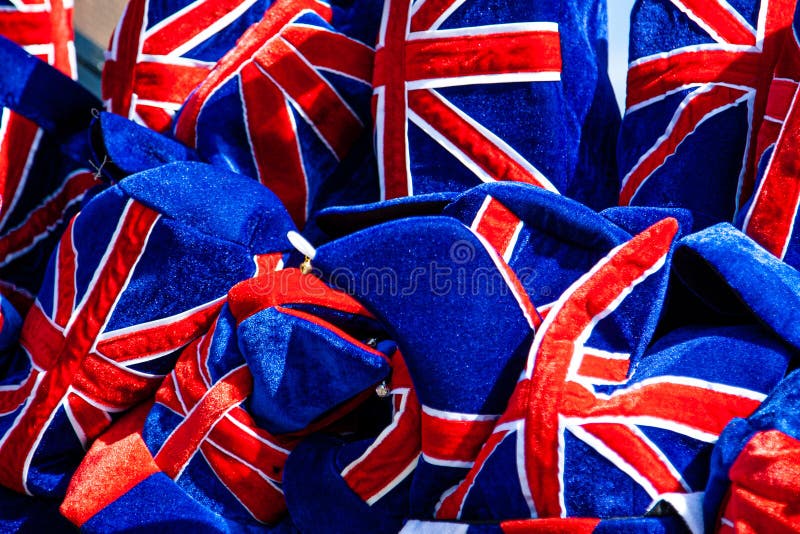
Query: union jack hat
[
  {"x": 288, "y": 103},
  {"x": 583, "y": 421},
  {"x": 697, "y": 95},
  {"x": 279, "y": 363},
  {"x": 448, "y": 75},
  {"x": 140, "y": 272},
  {"x": 44, "y": 155}
]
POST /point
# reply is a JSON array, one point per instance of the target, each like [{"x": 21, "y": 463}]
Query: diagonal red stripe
[
  {"x": 498, "y": 225},
  {"x": 428, "y": 13},
  {"x": 719, "y": 19},
  {"x": 328, "y": 50},
  {"x": 112, "y": 385},
  {"x": 696, "y": 108}
]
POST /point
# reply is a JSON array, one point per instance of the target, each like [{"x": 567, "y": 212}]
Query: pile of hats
[{"x": 371, "y": 266}]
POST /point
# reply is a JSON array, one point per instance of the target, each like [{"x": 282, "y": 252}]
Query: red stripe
[
  {"x": 167, "y": 395},
  {"x": 42, "y": 221},
  {"x": 167, "y": 337},
  {"x": 65, "y": 278},
  {"x": 450, "y": 507},
  {"x": 274, "y": 140},
  {"x": 62, "y": 33},
  {"x": 779, "y": 100},
  {"x": 41, "y": 338},
  {"x": 277, "y": 16},
  {"x": 696, "y": 108},
  {"x": 186, "y": 25},
  {"x": 190, "y": 374},
  {"x": 91, "y": 420},
  {"x": 721, "y": 21},
  {"x": 267, "y": 263},
  {"x": 609, "y": 369},
  {"x": 288, "y": 286},
  {"x": 658, "y": 76},
  {"x": 448, "y": 440},
  {"x": 322, "y": 106},
  {"x": 637, "y": 453},
  {"x": 328, "y": 50},
  {"x": 112, "y": 385},
  {"x": 167, "y": 82},
  {"x": 118, "y": 72},
  {"x": 124, "y": 254},
  {"x": 392, "y": 158},
  {"x": 576, "y": 314},
  {"x": 550, "y": 525},
  {"x": 492, "y": 159},
  {"x": 498, "y": 225},
  {"x": 181, "y": 445},
  {"x": 16, "y": 149},
  {"x": 154, "y": 117},
  {"x": 119, "y": 458},
  {"x": 696, "y": 407},
  {"x": 394, "y": 449},
  {"x": 270, "y": 460},
  {"x": 258, "y": 496},
  {"x": 775, "y": 206},
  {"x": 26, "y": 28},
  {"x": 485, "y": 55},
  {"x": 428, "y": 13}
]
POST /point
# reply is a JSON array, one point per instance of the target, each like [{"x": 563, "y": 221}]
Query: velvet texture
[
  {"x": 443, "y": 97},
  {"x": 159, "y": 54},
  {"x": 287, "y": 104},
  {"x": 45, "y": 155},
  {"x": 239, "y": 400},
  {"x": 138, "y": 274},
  {"x": 688, "y": 138}
]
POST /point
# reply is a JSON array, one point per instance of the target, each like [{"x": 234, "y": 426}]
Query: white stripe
[
  {"x": 464, "y": 158},
  {"x": 416, "y": 526},
  {"x": 691, "y": 49},
  {"x": 394, "y": 482},
  {"x": 655, "y": 422},
  {"x": 47, "y": 231},
  {"x": 97, "y": 404},
  {"x": 212, "y": 29},
  {"x": 238, "y": 458},
  {"x": 456, "y": 416},
  {"x": 384, "y": 22},
  {"x": 481, "y": 212},
  {"x": 702, "y": 23},
  {"x": 484, "y": 79},
  {"x": 606, "y": 355},
  {"x": 489, "y": 29},
  {"x": 673, "y": 122},
  {"x": 522, "y": 474},
  {"x": 512, "y": 243},
  {"x": 247, "y": 430},
  {"x": 443, "y": 17},
  {"x": 447, "y": 463},
  {"x": 179, "y": 61},
  {"x": 160, "y": 322},
  {"x": 685, "y": 381},
  {"x": 81, "y": 435},
  {"x": 29, "y": 454},
  {"x": 23, "y": 182}
]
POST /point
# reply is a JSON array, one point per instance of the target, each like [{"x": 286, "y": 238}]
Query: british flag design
[
  {"x": 161, "y": 51},
  {"x": 698, "y": 85},
  {"x": 113, "y": 314},
  {"x": 40, "y": 187},
  {"x": 770, "y": 215},
  {"x": 209, "y": 427},
  {"x": 285, "y": 105},
  {"x": 575, "y": 405}
]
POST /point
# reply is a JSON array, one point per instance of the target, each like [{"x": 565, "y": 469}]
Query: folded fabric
[
  {"x": 140, "y": 272},
  {"x": 161, "y": 50},
  {"x": 288, "y": 102},
  {"x": 121, "y": 147},
  {"x": 754, "y": 469},
  {"x": 447, "y": 75},
  {"x": 769, "y": 215},
  {"x": 277, "y": 365},
  {"x": 421, "y": 277},
  {"x": 697, "y": 90},
  {"x": 633, "y": 525},
  {"x": 44, "y": 159},
  {"x": 586, "y": 435}
]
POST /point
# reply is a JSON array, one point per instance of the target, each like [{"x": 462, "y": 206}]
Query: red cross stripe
[
  {"x": 414, "y": 57},
  {"x": 736, "y": 68},
  {"x": 392, "y": 457},
  {"x": 278, "y": 63},
  {"x": 498, "y": 229},
  {"x": 44, "y": 29},
  {"x": 75, "y": 363},
  {"x": 553, "y": 397},
  {"x": 146, "y": 76}
]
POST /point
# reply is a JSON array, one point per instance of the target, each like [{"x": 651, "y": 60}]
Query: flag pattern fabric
[
  {"x": 286, "y": 104},
  {"x": 698, "y": 85},
  {"x": 160, "y": 51},
  {"x": 42, "y": 184},
  {"x": 437, "y": 65},
  {"x": 396, "y": 266}
]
